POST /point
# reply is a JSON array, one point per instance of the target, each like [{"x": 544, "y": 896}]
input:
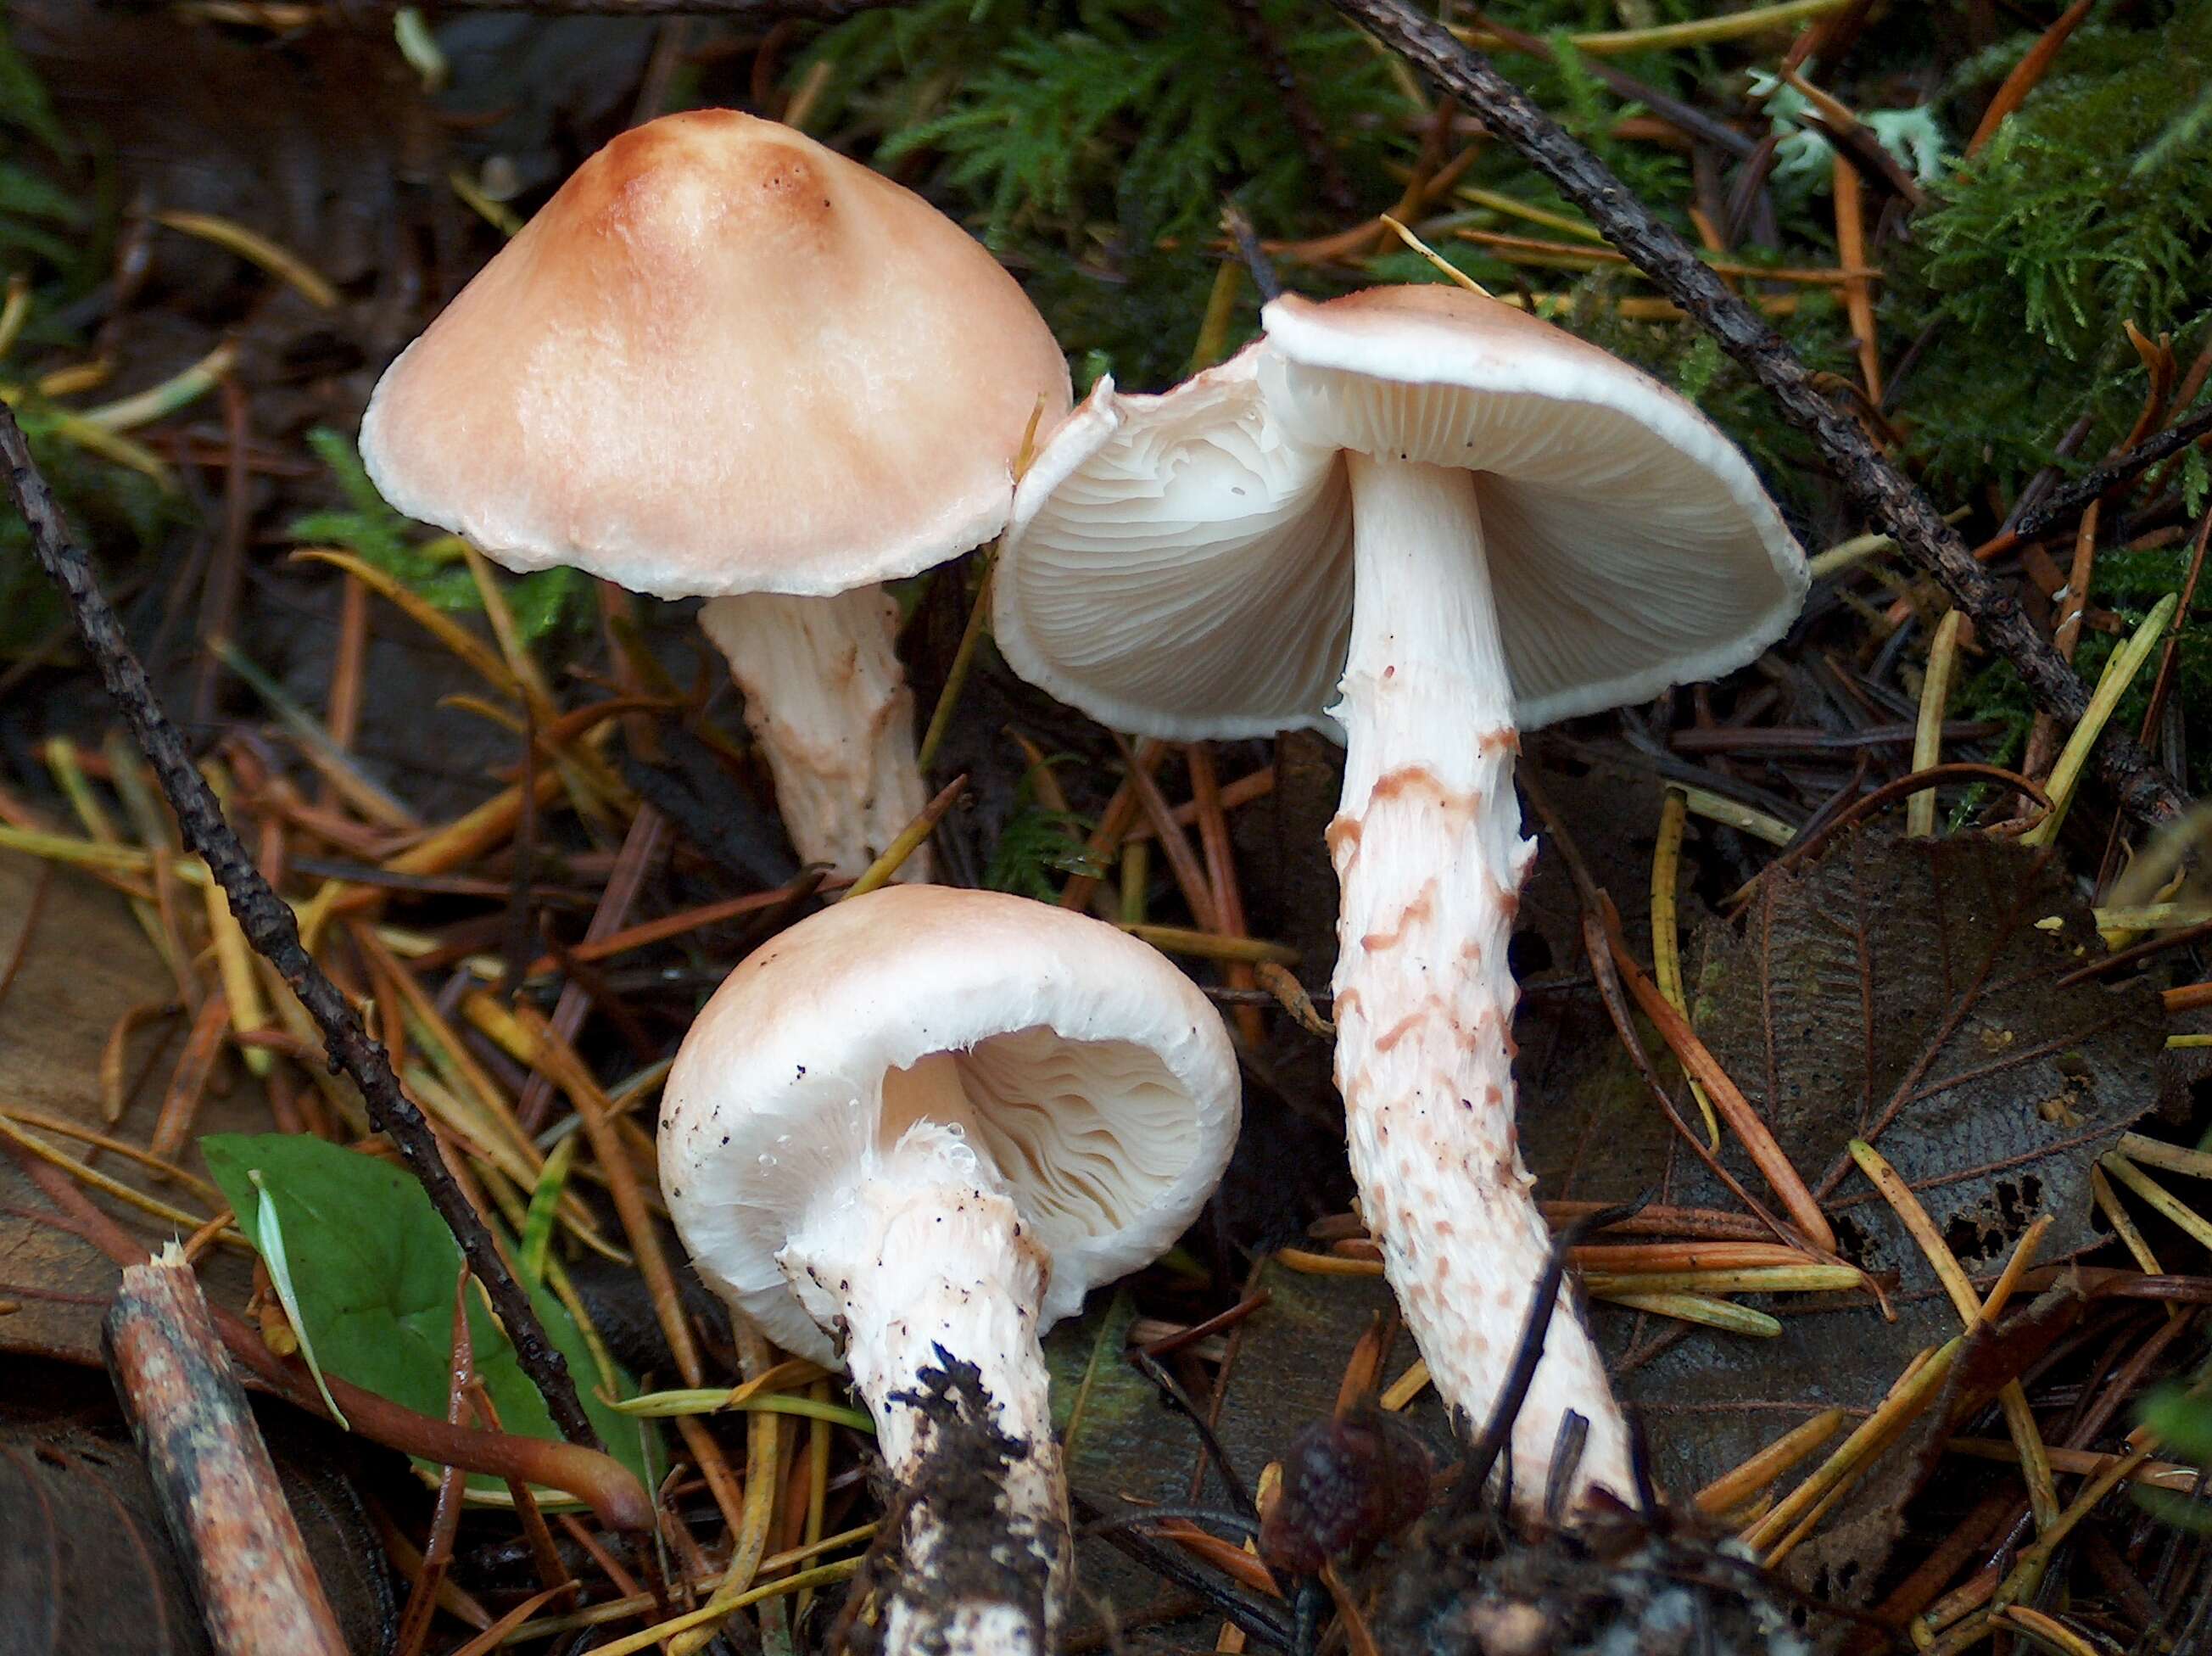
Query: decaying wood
[{"x": 258, "y": 1591}]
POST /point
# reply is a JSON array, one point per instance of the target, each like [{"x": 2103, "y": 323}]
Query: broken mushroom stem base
[
  {"x": 827, "y": 700},
  {"x": 926, "y": 1262},
  {"x": 1429, "y": 855}
]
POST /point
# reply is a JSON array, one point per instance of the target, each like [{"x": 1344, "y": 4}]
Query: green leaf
[
  {"x": 2183, "y": 1423},
  {"x": 372, "y": 1267},
  {"x": 26, "y": 192},
  {"x": 269, "y": 1240},
  {"x": 23, "y": 101}
]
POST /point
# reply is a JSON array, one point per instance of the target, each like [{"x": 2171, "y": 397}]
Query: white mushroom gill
[
  {"x": 1430, "y": 858},
  {"x": 827, "y": 700},
  {"x": 1163, "y": 522}
]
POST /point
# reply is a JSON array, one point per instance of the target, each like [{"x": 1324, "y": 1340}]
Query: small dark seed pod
[{"x": 1349, "y": 1484}]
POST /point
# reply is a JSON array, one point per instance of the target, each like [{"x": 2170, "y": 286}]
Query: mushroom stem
[
  {"x": 1430, "y": 859},
  {"x": 827, "y": 700},
  {"x": 938, "y": 1283}
]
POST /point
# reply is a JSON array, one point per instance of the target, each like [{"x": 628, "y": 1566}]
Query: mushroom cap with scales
[
  {"x": 1096, "y": 1079},
  {"x": 721, "y": 359},
  {"x": 1181, "y": 564}
]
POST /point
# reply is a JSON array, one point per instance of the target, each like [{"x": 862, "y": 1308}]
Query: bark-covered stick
[
  {"x": 270, "y": 926},
  {"x": 1874, "y": 484},
  {"x": 258, "y": 1593}
]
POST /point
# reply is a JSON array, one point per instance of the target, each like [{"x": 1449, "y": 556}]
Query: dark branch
[
  {"x": 1876, "y": 487},
  {"x": 2066, "y": 504},
  {"x": 268, "y": 924}
]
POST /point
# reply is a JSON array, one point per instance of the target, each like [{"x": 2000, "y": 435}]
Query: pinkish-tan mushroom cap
[{"x": 723, "y": 359}]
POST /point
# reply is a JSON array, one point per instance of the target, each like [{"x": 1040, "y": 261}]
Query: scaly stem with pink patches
[
  {"x": 923, "y": 1260},
  {"x": 1429, "y": 853}
]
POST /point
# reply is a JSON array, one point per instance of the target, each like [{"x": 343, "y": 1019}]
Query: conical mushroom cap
[
  {"x": 1180, "y": 565},
  {"x": 723, "y": 359}
]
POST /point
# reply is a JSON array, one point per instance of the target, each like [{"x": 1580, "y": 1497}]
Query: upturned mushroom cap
[
  {"x": 1096, "y": 1077},
  {"x": 721, "y": 359},
  {"x": 1181, "y": 564}
]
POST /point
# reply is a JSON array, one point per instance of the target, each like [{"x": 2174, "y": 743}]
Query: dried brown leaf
[{"x": 1904, "y": 990}]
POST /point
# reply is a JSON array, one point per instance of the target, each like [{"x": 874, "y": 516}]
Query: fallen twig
[
  {"x": 1874, "y": 484},
  {"x": 258, "y": 1588},
  {"x": 2062, "y": 504},
  {"x": 269, "y": 923}
]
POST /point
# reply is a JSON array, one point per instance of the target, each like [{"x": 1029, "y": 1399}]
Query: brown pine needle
[
  {"x": 1221, "y": 876},
  {"x": 1779, "y": 1532},
  {"x": 1114, "y": 823},
  {"x": 188, "y": 1081},
  {"x": 114, "y": 1085},
  {"x": 1292, "y": 994},
  {"x": 1639, "y": 1256},
  {"x": 1775, "y": 1167},
  {"x": 1665, "y": 941},
  {"x": 1197, "y": 893},
  {"x": 885, "y": 867},
  {"x": 685, "y": 920},
  {"x": 2027, "y": 75},
  {"x": 1212, "y": 946},
  {"x": 1700, "y": 1308},
  {"x": 1731, "y": 1490},
  {"x": 1257, "y": 785},
  {"x": 2020, "y": 1418},
  {"x": 1799, "y": 1278},
  {"x": 2169, "y": 1205}
]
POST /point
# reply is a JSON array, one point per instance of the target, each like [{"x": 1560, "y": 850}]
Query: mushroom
[
  {"x": 1468, "y": 522},
  {"x": 924, "y": 1124},
  {"x": 725, "y": 362}
]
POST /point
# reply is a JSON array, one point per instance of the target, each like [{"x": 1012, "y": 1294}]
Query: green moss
[
  {"x": 1092, "y": 142},
  {"x": 433, "y": 570},
  {"x": 1039, "y": 846},
  {"x": 2088, "y": 210}
]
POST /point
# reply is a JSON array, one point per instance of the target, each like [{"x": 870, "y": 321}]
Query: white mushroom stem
[
  {"x": 1430, "y": 858},
  {"x": 827, "y": 700},
  {"x": 926, "y": 1262}
]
